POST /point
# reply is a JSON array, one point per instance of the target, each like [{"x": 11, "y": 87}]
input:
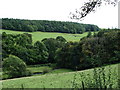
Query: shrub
[
  {"x": 60, "y": 38},
  {"x": 14, "y": 67},
  {"x": 46, "y": 70}
]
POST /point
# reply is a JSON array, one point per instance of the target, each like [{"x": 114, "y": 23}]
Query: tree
[
  {"x": 90, "y": 6},
  {"x": 89, "y": 34},
  {"x": 69, "y": 55},
  {"x": 14, "y": 66},
  {"x": 41, "y": 52},
  {"x": 52, "y": 45},
  {"x": 90, "y": 51},
  {"x": 60, "y": 38}
]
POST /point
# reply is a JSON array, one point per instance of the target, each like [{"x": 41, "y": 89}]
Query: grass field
[
  {"x": 38, "y": 36},
  {"x": 57, "y": 71},
  {"x": 66, "y": 80},
  {"x": 38, "y": 70}
]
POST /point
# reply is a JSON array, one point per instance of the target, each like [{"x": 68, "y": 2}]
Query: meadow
[
  {"x": 38, "y": 36},
  {"x": 106, "y": 76},
  {"x": 39, "y": 70}
]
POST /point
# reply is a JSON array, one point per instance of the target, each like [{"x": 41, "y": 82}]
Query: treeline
[
  {"x": 92, "y": 51},
  {"x": 46, "y": 26},
  {"x": 38, "y": 53}
]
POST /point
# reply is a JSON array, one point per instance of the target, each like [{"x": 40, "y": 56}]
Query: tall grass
[{"x": 100, "y": 80}]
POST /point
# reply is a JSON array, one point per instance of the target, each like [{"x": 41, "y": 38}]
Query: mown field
[
  {"x": 107, "y": 75},
  {"x": 38, "y": 36}
]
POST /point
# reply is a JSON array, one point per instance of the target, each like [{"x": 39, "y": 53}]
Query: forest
[{"x": 46, "y": 26}]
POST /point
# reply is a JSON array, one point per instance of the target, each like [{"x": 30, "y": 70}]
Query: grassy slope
[
  {"x": 41, "y": 35},
  {"x": 62, "y": 80}
]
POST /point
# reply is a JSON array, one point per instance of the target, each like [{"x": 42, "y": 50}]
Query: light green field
[
  {"x": 56, "y": 71},
  {"x": 38, "y": 36},
  {"x": 65, "y": 80},
  {"x": 40, "y": 69}
]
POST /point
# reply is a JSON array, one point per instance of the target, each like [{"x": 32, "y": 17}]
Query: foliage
[
  {"x": 52, "y": 45},
  {"x": 41, "y": 52},
  {"x": 90, "y": 51},
  {"x": 89, "y": 34},
  {"x": 60, "y": 38},
  {"x": 90, "y": 6},
  {"x": 46, "y": 70},
  {"x": 68, "y": 56},
  {"x": 21, "y": 45},
  {"x": 46, "y": 26},
  {"x": 14, "y": 67}
]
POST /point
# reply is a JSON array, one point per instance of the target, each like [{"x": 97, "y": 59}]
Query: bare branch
[{"x": 90, "y": 6}]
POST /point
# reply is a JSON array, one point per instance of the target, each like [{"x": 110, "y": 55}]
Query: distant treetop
[{"x": 46, "y": 26}]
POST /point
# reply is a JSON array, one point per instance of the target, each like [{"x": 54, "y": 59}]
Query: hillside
[
  {"x": 38, "y": 36},
  {"x": 56, "y": 55},
  {"x": 46, "y": 26},
  {"x": 68, "y": 80}
]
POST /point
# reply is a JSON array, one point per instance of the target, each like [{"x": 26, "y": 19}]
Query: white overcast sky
[{"x": 104, "y": 17}]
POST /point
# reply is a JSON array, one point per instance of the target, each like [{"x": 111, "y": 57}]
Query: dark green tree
[
  {"x": 89, "y": 34},
  {"x": 41, "y": 52},
  {"x": 14, "y": 67},
  {"x": 52, "y": 45},
  {"x": 60, "y": 38}
]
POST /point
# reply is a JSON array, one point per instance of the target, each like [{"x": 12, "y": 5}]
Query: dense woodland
[
  {"x": 92, "y": 51},
  {"x": 46, "y": 26}
]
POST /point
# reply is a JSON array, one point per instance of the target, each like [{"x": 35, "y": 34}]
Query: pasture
[
  {"x": 107, "y": 75},
  {"x": 38, "y": 36}
]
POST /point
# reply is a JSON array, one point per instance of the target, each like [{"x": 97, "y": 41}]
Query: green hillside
[
  {"x": 38, "y": 36},
  {"x": 107, "y": 76}
]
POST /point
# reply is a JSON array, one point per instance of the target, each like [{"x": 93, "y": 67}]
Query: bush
[
  {"x": 28, "y": 73},
  {"x": 46, "y": 70},
  {"x": 14, "y": 67}
]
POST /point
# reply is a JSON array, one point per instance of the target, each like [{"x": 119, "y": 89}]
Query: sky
[{"x": 105, "y": 17}]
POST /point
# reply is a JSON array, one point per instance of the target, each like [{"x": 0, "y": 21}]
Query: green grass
[
  {"x": 38, "y": 69},
  {"x": 56, "y": 71},
  {"x": 38, "y": 36},
  {"x": 64, "y": 80}
]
